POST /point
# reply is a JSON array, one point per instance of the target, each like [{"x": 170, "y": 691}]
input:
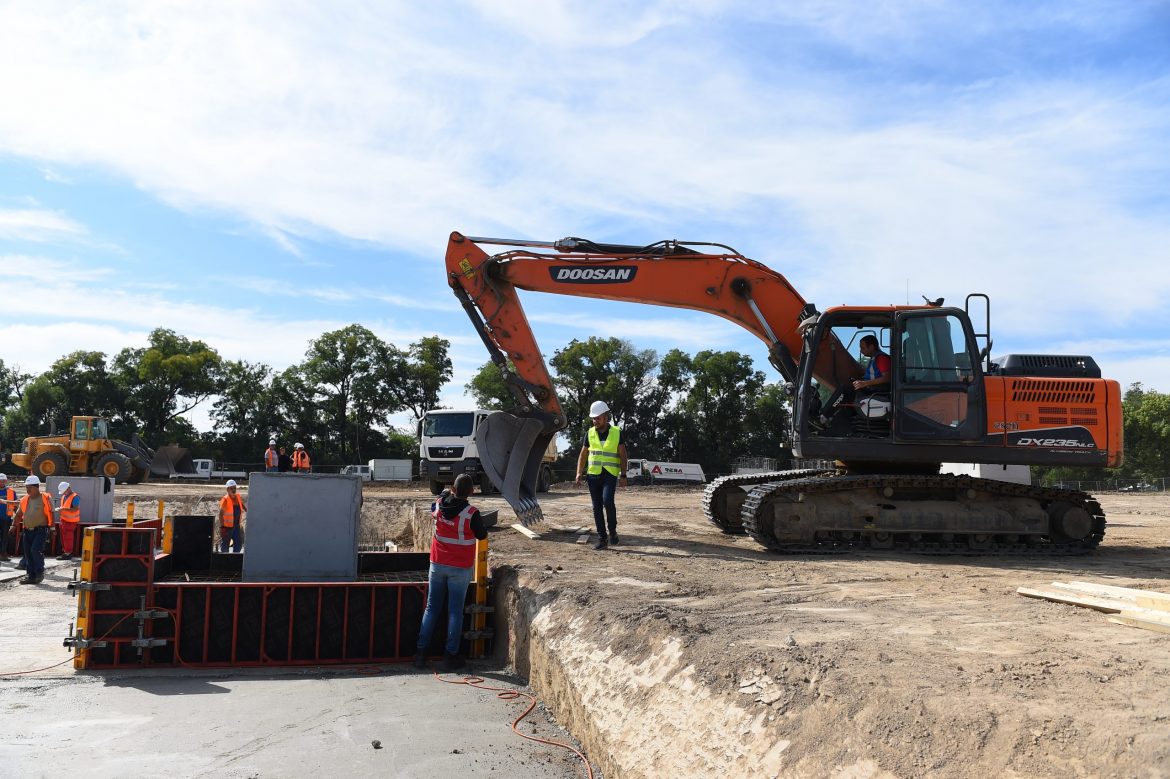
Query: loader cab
[
  {"x": 934, "y": 395},
  {"x": 86, "y": 429}
]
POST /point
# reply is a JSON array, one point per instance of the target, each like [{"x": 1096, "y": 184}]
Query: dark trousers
[
  {"x": 602, "y": 487},
  {"x": 5, "y": 526},
  {"x": 34, "y": 551}
]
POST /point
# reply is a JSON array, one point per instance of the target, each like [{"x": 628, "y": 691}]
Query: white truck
[
  {"x": 655, "y": 472},
  {"x": 205, "y": 469},
  {"x": 446, "y": 448}
]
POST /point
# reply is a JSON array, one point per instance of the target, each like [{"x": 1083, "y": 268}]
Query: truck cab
[{"x": 447, "y": 448}]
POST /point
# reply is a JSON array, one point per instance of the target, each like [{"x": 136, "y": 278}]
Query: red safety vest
[
  {"x": 454, "y": 543},
  {"x": 9, "y": 494},
  {"x": 271, "y": 458},
  {"x": 48, "y": 504},
  {"x": 232, "y": 506},
  {"x": 70, "y": 507},
  {"x": 300, "y": 460}
]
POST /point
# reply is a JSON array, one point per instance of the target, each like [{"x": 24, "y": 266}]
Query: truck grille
[{"x": 444, "y": 452}]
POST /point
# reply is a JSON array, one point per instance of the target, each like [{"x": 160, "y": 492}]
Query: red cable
[{"x": 508, "y": 694}]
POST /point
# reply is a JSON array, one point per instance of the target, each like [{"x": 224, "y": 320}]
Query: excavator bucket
[{"x": 511, "y": 450}]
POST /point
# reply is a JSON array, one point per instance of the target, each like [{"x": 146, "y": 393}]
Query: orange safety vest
[
  {"x": 48, "y": 504},
  {"x": 454, "y": 543},
  {"x": 232, "y": 507},
  {"x": 271, "y": 458},
  {"x": 300, "y": 460},
  {"x": 71, "y": 507},
  {"x": 9, "y": 494}
]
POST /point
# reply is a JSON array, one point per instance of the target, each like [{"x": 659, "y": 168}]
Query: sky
[{"x": 255, "y": 174}]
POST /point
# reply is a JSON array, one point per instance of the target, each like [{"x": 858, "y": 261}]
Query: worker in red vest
[
  {"x": 231, "y": 518},
  {"x": 8, "y": 504},
  {"x": 300, "y": 459},
  {"x": 36, "y": 517},
  {"x": 271, "y": 458},
  {"x": 457, "y": 526},
  {"x": 69, "y": 512}
]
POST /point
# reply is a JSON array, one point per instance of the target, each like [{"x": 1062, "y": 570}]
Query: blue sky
[{"x": 253, "y": 174}]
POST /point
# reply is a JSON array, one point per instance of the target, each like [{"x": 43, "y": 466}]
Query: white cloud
[
  {"x": 38, "y": 225},
  {"x": 395, "y": 124}
]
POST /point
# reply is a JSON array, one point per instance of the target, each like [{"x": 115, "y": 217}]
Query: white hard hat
[
  {"x": 3, "y": 476},
  {"x": 232, "y": 483},
  {"x": 298, "y": 446},
  {"x": 272, "y": 442},
  {"x": 598, "y": 408},
  {"x": 32, "y": 481},
  {"x": 62, "y": 486}
]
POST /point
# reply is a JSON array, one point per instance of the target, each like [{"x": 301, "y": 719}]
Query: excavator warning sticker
[
  {"x": 593, "y": 274},
  {"x": 465, "y": 266}
]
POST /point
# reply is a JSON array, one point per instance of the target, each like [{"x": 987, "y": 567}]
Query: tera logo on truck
[{"x": 593, "y": 274}]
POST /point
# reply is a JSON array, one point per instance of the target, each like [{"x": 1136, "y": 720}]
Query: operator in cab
[{"x": 603, "y": 459}]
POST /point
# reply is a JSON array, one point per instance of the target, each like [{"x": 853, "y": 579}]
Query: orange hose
[{"x": 507, "y": 694}]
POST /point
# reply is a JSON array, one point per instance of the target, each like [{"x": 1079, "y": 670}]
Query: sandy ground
[{"x": 689, "y": 652}]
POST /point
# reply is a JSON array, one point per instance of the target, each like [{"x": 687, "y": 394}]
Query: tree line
[
  {"x": 338, "y": 400},
  {"x": 709, "y": 407}
]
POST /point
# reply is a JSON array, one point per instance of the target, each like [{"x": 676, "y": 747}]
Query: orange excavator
[{"x": 941, "y": 400}]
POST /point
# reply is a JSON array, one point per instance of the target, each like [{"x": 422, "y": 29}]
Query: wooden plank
[
  {"x": 1142, "y": 620},
  {"x": 1147, "y": 599},
  {"x": 525, "y": 531},
  {"x": 583, "y": 538},
  {"x": 1074, "y": 599}
]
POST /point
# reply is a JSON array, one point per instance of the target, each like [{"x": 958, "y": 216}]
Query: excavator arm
[{"x": 699, "y": 276}]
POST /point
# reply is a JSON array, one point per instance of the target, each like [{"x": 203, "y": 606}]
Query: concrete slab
[
  {"x": 263, "y": 723},
  {"x": 302, "y": 527}
]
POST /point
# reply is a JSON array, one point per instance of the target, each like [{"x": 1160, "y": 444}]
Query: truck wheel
[
  {"x": 545, "y": 480},
  {"x": 50, "y": 464},
  {"x": 436, "y": 487},
  {"x": 485, "y": 485},
  {"x": 114, "y": 465}
]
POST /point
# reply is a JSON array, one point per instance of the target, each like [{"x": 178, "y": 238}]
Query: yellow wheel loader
[{"x": 86, "y": 450}]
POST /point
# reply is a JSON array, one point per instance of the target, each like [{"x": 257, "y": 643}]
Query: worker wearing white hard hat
[
  {"x": 231, "y": 518},
  {"x": 300, "y": 459},
  {"x": 602, "y": 463},
  {"x": 35, "y": 517},
  {"x": 69, "y": 514},
  {"x": 271, "y": 458},
  {"x": 8, "y": 503}
]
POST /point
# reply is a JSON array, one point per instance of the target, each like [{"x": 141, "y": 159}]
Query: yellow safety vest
[{"x": 604, "y": 454}]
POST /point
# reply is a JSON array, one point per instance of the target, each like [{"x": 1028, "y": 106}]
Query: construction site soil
[{"x": 687, "y": 652}]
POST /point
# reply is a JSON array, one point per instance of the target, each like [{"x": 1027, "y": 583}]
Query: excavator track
[
  {"x": 933, "y": 514},
  {"x": 722, "y": 505}
]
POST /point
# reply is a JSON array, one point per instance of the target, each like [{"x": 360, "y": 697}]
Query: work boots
[
  {"x": 420, "y": 661},
  {"x": 601, "y": 544},
  {"x": 452, "y": 663}
]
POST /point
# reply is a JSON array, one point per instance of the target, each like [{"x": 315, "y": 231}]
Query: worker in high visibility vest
[
  {"x": 300, "y": 459},
  {"x": 271, "y": 458},
  {"x": 457, "y": 526},
  {"x": 69, "y": 512},
  {"x": 603, "y": 456},
  {"x": 36, "y": 517},
  {"x": 8, "y": 504},
  {"x": 231, "y": 518}
]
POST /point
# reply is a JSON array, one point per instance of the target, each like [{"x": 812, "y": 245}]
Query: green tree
[
  {"x": 246, "y": 413},
  {"x": 166, "y": 379},
  {"x": 78, "y": 383},
  {"x": 346, "y": 371},
  {"x": 422, "y": 375},
  {"x": 716, "y": 394},
  {"x": 609, "y": 369},
  {"x": 489, "y": 389}
]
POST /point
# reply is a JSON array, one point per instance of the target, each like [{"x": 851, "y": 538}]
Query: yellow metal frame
[
  {"x": 84, "y": 598},
  {"x": 479, "y": 617}
]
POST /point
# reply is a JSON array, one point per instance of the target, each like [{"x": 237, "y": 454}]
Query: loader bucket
[{"x": 511, "y": 450}]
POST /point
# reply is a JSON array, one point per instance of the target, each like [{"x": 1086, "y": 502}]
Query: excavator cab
[{"x": 934, "y": 393}]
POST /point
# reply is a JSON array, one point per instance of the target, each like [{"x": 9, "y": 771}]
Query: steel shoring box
[{"x": 208, "y": 618}]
